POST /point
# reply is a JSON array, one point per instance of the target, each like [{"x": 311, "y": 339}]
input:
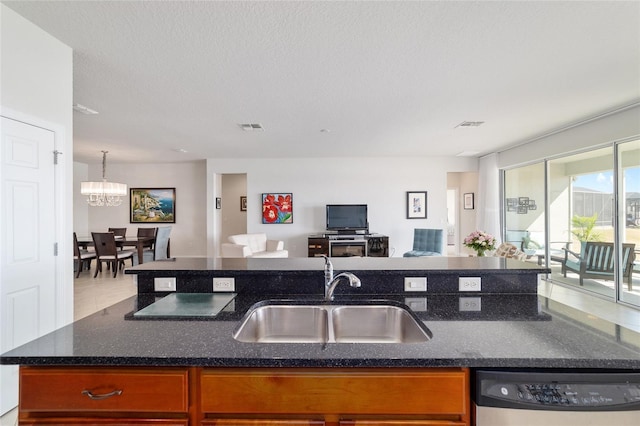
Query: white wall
[
  {"x": 382, "y": 183},
  {"x": 36, "y": 86},
  {"x": 188, "y": 234},
  {"x": 80, "y": 206},
  {"x": 466, "y": 219},
  {"x": 234, "y": 221},
  {"x": 468, "y": 183}
]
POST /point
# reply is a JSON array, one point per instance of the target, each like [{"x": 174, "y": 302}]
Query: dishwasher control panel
[{"x": 561, "y": 391}]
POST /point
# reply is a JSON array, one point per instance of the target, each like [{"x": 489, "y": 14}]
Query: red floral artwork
[{"x": 277, "y": 208}]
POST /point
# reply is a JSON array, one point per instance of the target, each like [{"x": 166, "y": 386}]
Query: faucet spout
[
  {"x": 328, "y": 270},
  {"x": 331, "y": 285}
]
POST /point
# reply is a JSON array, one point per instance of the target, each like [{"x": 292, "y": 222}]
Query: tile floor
[{"x": 92, "y": 295}]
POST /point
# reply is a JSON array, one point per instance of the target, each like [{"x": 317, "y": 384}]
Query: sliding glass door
[
  {"x": 524, "y": 208},
  {"x": 582, "y": 207},
  {"x": 590, "y": 234},
  {"x": 629, "y": 220}
]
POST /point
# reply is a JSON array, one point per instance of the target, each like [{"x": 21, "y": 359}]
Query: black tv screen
[{"x": 347, "y": 217}]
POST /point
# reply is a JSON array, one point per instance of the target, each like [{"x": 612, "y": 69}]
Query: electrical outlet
[
  {"x": 415, "y": 284},
  {"x": 164, "y": 284},
  {"x": 417, "y": 304},
  {"x": 224, "y": 284},
  {"x": 469, "y": 284},
  {"x": 470, "y": 304}
]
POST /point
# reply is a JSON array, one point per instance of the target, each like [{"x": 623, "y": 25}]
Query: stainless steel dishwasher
[{"x": 505, "y": 398}]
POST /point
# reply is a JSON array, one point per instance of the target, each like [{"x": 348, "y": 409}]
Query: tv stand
[
  {"x": 351, "y": 232},
  {"x": 348, "y": 245}
]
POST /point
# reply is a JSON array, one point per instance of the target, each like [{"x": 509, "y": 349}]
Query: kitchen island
[{"x": 202, "y": 375}]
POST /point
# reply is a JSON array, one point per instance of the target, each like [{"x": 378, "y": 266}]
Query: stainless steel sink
[
  {"x": 325, "y": 323},
  {"x": 284, "y": 324},
  {"x": 376, "y": 324}
]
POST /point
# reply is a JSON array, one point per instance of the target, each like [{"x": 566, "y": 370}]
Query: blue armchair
[{"x": 426, "y": 242}]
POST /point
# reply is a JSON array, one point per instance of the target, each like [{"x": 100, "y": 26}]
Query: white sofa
[{"x": 253, "y": 245}]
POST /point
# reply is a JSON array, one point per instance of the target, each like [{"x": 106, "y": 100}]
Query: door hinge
[
  {"x": 55, "y": 249},
  {"x": 55, "y": 156}
]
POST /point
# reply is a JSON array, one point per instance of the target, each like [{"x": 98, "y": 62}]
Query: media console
[{"x": 347, "y": 245}]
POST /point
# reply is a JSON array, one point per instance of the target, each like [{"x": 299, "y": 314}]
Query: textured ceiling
[{"x": 385, "y": 78}]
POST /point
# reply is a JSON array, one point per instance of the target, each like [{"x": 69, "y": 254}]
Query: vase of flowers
[{"x": 480, "y": 241}]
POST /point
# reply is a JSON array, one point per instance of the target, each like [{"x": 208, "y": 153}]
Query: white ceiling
[{"x": 385, "y": 78}]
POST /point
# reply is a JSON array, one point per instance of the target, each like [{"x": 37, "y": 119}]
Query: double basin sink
[{"x": 288, "y": 322}]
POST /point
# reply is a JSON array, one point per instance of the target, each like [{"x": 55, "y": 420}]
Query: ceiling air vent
[
  {"x": 251, "y": 127},
  {"x": 470, "y": 124}
]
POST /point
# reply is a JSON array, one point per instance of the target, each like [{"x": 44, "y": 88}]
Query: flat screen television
[{"x": 347, "y": 218}]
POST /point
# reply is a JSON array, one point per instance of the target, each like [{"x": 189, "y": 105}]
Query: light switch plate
[
  {"x": 164, "y": 284},
  {"x": 417, "y": 304},
  {"x": 415, "y": 284}
]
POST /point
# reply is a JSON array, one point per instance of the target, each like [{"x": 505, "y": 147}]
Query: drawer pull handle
[{"x": 103, "y": 396}]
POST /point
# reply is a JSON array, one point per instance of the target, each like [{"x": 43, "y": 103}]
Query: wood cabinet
[
  {"x": 340, "y": 397},
  {"x": 370, "y": 245},
  {"x": 105, "y": 396},
  {"x": 244, "y": 396},
  {"x": 318, "y": 246}
]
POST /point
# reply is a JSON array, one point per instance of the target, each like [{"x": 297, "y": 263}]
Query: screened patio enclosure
[{"x": 580, "y": 215}]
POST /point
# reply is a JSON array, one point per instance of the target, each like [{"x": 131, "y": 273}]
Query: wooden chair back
[
  {"x": 119, "y": 232},
  {"x": 105, "y": 244},
  {"x": 107, "y": 251},
  {"x": 147, "y": 232},
  {"x": 76, "y": 247}
]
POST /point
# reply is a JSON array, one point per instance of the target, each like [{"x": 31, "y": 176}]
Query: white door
[{"x": 27, "y": 237}]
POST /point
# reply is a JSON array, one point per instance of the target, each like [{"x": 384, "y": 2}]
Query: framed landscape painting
[
  {"x": 277, "y": 207},
  {"x": 152, "y": 205}
]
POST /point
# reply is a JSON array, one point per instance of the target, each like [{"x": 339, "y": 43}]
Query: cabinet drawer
[
  {"x": 352, "y": 391},
  {"x": 103, "y": 422},
  {"x": 401, "y": 423},
  {"x": 261, "y": 422},
  {"x": 76, "y": 389}
]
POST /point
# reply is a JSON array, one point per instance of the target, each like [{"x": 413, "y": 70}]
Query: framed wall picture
[
  {"x": 417, "y": 205},
  {"x": 218, "y": 203},
  {"x": 469, "y": 201},
  {"x": 277, "y": 207},
  {"x": 152, "y": 205},
  {"x": 243, "y": 203}
]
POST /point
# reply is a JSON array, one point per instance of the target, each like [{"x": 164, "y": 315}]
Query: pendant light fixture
[{"x": 103, "y": 193}]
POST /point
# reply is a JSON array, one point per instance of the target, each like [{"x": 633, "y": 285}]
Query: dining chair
[
  {"x": 147, "y": 232},
  {"x": 119, "y": 232},
  {"x": 107, "y": 252},
  {"x": 161, "y": 247},
  {"x": 81, "y": 257}
]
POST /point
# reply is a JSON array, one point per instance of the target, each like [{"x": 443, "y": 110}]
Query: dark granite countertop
[
  {"x": 306, "y": 276},
  {"x": 509, "y": 331},
  {"x": 444, "y": 264}
]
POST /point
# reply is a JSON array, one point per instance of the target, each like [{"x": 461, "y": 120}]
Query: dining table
[{"x": 138, "y": 242}]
